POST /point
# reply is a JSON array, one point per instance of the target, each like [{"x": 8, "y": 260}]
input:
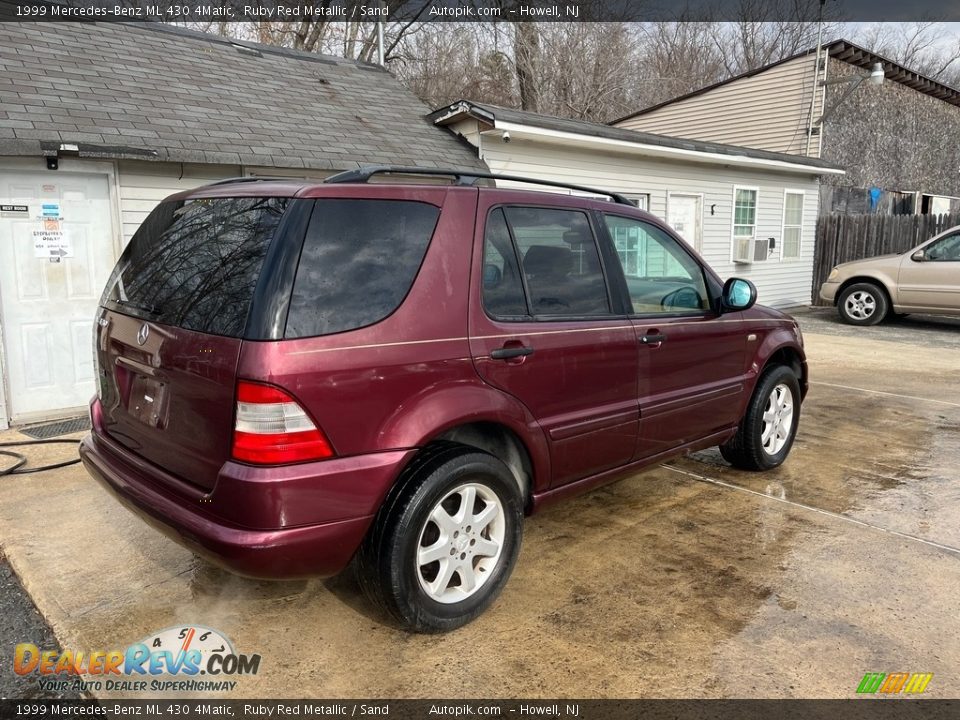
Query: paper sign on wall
[{"x": 51, "y": 241}]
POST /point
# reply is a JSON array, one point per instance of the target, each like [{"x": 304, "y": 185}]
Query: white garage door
[{"x": 56, "y": 251}]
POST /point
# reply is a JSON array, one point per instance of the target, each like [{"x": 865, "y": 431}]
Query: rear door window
[
  {"x": 502, "y": 286},
  {"x": 195, "y": 263},
  {"x": 359, "y": 260},
  {"x": 560, "y": 261}
]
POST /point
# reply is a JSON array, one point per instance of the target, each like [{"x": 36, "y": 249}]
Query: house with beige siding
[
  {"x": 101, "y": 121},
  {"x": 749, "y": 212},
  {"x": 896, "y": 139}
]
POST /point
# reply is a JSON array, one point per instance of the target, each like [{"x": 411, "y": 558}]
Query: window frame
[
  {"x": 733, "y": 224},
  {"x": 783, "y": 225},
  {"x": 711, "y": 285},
  {"x": 614, "y": 299},
  {"x": 937, "y": 241}
]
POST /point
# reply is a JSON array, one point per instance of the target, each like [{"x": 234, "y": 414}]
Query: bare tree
[
  {"x": 675, "y": 58},
  {"x": 928, "y": 48},
  {"x": 753, "y": 40},
  {"x": 445, "y": 62},
  {"x": 527, "y": 61}
]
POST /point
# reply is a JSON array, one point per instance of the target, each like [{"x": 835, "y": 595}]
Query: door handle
[
  {"x": 508, "y": 353},
  {"x": 653, "y": 338}
]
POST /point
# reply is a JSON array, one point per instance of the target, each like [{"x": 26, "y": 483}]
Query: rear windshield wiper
[{"x": 152, "y": 310}]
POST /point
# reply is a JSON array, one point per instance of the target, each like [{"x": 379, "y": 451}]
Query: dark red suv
[{"x": 292, "y": 375}]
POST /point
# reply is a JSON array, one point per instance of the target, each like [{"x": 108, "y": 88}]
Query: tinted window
[
  {"x": 502, "y": 286},
  {"x": 661, "y": 276},
  {"x": 195, "y": 263},
  {"x": 560, "y": 261},
  {"x": 359, "y": 260}
]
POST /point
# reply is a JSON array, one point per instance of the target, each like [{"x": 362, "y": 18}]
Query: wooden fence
[{"x": 842, "y": 238}]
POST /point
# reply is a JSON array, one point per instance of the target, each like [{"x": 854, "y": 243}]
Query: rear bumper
[{"x": 276, "y": 549}]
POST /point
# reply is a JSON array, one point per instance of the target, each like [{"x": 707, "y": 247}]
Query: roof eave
[{"x": 660, "y": 151}]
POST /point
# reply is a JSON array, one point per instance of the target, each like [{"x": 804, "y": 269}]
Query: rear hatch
[{"x": 170, "y": 330}]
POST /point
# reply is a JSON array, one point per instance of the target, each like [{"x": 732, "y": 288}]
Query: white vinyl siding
[
  {"x": 768, "y": 111},
  {"x": 792, "y": 224},
  {"x": 144, "y": 184},
  {"x": 780, "y": 284}
]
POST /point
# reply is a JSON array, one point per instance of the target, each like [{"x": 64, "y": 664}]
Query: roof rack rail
[
  {"x": 252, "y": 178},
  {"x": 463, "y": 177}
]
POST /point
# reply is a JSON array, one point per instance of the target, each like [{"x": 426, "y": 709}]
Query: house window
[
  {"x": 792, "y": 224},
  {"x": 641, "y": 201},
  {"x": 744, "y": 224}
]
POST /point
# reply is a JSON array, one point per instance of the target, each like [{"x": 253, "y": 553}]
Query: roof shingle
[{"x": 153, "y": 91}]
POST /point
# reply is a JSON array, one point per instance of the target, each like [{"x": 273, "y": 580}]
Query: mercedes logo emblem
[{"x": 143, "y": 334}]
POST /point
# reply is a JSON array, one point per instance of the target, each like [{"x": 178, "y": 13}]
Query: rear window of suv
[
  {"x": 195, "y": 263},
  {"x": 359, "y": 260}
]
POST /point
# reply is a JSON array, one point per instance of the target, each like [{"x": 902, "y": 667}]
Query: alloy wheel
[
  {"x": 860, "y": 305},
  {"x": 777, "y": 419},
  {"x": 460, "y": 543}
]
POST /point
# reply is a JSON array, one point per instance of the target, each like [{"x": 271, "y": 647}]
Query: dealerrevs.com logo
[{"x": 179, "y": 659}]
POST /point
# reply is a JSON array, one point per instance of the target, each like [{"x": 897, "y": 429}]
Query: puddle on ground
[{"x": 890, "y": 462}]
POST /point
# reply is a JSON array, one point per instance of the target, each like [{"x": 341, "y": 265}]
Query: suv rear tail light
[{"x": 273, "y": 429}]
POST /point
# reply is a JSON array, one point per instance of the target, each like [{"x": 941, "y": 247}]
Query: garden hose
[{"x": 17, "y": 467}]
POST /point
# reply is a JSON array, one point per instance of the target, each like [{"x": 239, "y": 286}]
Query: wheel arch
[
  {"x": 501, "y": 442},
  {"x": 475, "y": 415},
  {"x": 789, "y": 356},
  {"x": 782, "y": 347},
  {"x": 880, "y": 282}
]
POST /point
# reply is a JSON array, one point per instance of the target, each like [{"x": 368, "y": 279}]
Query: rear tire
[
  {"x": 863, "y": 304},
  {"x": 430, "y": 561},
  {"x": 769, "y": 426}
]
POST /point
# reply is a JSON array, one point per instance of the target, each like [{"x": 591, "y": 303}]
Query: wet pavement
[{"x": 690, "y": 580}]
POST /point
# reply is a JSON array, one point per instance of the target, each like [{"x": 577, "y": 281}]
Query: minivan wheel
[
  {"x": 445, "y": 542},
  {"x": 769, "y": 426},
  {"x": 862, "y": 304}
]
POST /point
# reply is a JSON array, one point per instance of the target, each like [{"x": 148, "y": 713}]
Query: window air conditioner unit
[
  {"x": 761, "y": 249},
  {"x": 743, "y": 250}
]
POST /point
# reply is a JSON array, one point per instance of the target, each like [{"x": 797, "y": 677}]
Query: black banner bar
[
  {"x": 474, "y": 10},
  {"x": 177, "y": 709}
]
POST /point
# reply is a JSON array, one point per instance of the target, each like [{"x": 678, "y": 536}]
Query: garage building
[{"x": 99, "y": 122}]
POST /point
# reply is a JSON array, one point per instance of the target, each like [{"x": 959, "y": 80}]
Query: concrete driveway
[{"x": 691, "y": 580}]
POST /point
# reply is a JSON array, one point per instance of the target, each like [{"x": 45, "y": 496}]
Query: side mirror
[
  {"x": 738, "y": 294},
  {"x": 919, "y": 256}
]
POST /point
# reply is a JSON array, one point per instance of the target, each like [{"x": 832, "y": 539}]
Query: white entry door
[
  {"x": 56, "y": 252},
  {"x": 685, "y": 215}
]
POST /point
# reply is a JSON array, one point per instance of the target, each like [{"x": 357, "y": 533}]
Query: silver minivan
[{"x": 925, "y": 279}]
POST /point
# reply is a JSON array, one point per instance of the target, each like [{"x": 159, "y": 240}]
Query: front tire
[
  {"x": 770, "y": 423},
  {"x": 862, "y": 304},
  {"x": 445, "y": 543}
]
